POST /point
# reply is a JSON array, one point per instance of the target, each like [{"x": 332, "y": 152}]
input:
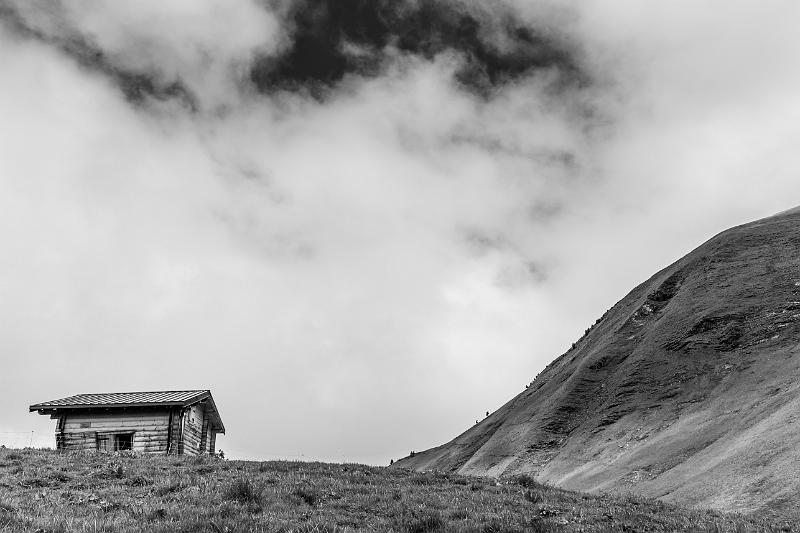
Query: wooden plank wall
[
  {"x": 150, "y": 429},
  {"x": 60, "y": 445},
  {"x": 204, "y": 433},
  {"x": 175, "y": 434},
  {"x": 192, "y": 429}
]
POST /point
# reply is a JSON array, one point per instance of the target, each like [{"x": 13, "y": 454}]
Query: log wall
[
  {"x": 192, "y": 429},
  {"x": 150, "y": 429},
  {"x": 204, "y": 433},
  {"x": 182, "y": 431}
]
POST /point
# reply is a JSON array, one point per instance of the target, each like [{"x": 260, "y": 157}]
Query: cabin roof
[{"x": 123, "y": 400}]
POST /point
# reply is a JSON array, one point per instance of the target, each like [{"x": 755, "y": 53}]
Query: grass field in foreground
[{"x": 48, "y": 491}]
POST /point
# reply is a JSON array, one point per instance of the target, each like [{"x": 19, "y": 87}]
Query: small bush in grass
[
  {"x": 497, "y": 526},
  {"x": 205, "y": 469},
  {"x": 6, "y": 508},
  {"x": 533, "y": 496},
  {"x": 169, "y": 488},
  {"x": 60, "y": 477},
  {"x": 422, "y": 522},
  {"x": 157, "y": 514},
  {"x": 524, "y": 480},
  {"x": 459, "y": 514},
  {"x": 243, "y": 490},
  {"x": 139, "y": 481},
  {"x": 227, "y": 510},
  {"x": 200, "y": 525},
  {"x": 307, "y": 494}
]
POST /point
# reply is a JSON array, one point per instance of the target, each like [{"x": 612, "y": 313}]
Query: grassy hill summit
[
  {"x": 58, "y": 492},
  {"x": 687, "y": 390}
]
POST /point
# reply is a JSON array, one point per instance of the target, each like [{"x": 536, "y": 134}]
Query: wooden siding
[
  {"x": 176, "y": 445},
  {"x": 150, "y": 429},
  {"x": 192, "y": 429},
  {"x": 165, "y": 430},
  {"x": 204, "y": 433}
]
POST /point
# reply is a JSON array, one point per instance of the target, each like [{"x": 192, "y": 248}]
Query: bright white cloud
[
  {"x": 370, "y": 273},
  {"x": 206, "y": 45}
]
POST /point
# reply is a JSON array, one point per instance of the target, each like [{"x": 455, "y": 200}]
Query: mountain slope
[{"x": 687, "y": 389}]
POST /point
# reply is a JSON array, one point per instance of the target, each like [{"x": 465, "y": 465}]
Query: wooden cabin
[{"x": 166, "y": 422}]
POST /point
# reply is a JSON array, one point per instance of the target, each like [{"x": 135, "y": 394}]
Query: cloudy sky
[{"x": 362, "y": 224}]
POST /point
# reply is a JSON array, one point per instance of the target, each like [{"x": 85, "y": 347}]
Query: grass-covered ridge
[{"x": 48, "y": 491}]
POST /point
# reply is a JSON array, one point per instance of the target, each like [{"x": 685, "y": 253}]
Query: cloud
[
  {"x": 332, "y": 40},
  {"x": 442, "y": 205},
  {"x": 195, "y": 52},
  {"x": 310, "y": 259},
  {"x": 706, "y": 98},
  {"x": 203, "y": 53}
]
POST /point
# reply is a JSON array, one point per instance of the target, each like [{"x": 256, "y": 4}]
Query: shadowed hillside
[{"x": 686, "y": 390}]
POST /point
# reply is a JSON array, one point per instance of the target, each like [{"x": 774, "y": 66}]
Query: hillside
[
  {"x": 686, "y": 390},
  {"x": 49, "y": 492}
]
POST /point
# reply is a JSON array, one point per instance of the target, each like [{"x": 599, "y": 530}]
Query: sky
[{"x": 362, "y": 224}]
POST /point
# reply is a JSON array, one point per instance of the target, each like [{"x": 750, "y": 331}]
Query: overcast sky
[{"x": 362, "y": 224}]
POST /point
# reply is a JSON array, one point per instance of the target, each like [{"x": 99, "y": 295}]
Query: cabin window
[
  {"x": 123, "y": 442},
  {"x": 114, "y": 442}
]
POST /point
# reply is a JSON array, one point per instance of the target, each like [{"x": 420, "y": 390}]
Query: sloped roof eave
[{"x": 151, "y": 399}]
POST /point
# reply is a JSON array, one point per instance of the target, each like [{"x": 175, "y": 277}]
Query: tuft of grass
[
  {"x": 421, "y": 522},
  {"x": 524, "y": 480},
  {"x": 6, "y": 508},
  {"x": 498, "y": 526},
  {"x": 60, "y": 477},
  {"x": 458, "y": 514},
  {"x": 139, "y": 481},
  {"x": 243, "y": 490},
  {"x": 307, "y": 494},
  {"x": 157, "y": 514},
  {"x": 170, "y": 487},
  {"x": 533, "y": 496}
]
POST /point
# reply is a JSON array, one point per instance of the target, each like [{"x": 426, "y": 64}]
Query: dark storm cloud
[
  {"x": 332, "y": 39},
  {"x": 324, "y": 42},
  {"x": 136, "y": 86}
]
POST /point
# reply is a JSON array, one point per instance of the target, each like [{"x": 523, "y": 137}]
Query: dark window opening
[
  {"x": 123, "y": 442},
  {"x": 116, "y": 442}
]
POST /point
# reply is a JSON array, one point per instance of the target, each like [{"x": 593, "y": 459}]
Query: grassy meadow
[{"x": 48, "y": 491}]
